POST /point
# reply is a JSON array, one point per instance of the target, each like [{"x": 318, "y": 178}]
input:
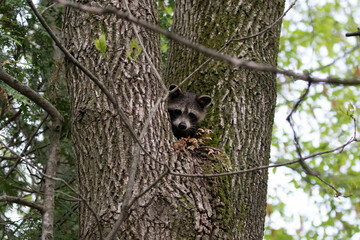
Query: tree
[
  {"x": 134, "y": 179},
  {"x": 133, "y": 86}
]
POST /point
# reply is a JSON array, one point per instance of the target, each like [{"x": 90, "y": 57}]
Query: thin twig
[
  {"x": 164, "y": 174},
  {"x": 305, "y": 167},
  {"x": 26, "y": 147},
  {"x": 48, "y": 7},
  {"x": 124, "y": 214},
  {"x": 296, "y": 140},
  {"x": 346, "y": 53},
  {"x": 281, "y": 164}
]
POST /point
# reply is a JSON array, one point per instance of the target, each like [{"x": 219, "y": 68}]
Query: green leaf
[
  {"x": 351, "y": 110},
  {"x": 100, "y": 44},
  {"x": 135, "y": 50}
]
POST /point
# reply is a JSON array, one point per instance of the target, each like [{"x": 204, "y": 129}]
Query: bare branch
[
  {"x": 296, "y": 140},
  {"x": 125, "y": 210},
  {"x": 164, "y": 174},
  {"x": 346, "y": 53},
  {"x": 305, "y": 167},
  {"x": 281, "y": 164},
  {"x": 210, "y": 52},
  {"x": 353, "y": 34},
  {"x": 12, "y": 118},
  {"x": 23, "y": 201},
  {"x": 49, "y": 185},
  {"x": 47, "y": 8}
]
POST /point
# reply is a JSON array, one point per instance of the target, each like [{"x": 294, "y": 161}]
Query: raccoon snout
[{"x": 182, "y": 126}]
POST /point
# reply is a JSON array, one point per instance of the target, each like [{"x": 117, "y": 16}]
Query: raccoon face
[{"x": 186, "y": 110}]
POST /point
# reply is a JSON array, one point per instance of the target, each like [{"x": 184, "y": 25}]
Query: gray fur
[{"x": 187, "y": 110}]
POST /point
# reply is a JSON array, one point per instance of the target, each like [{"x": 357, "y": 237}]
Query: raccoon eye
[
  {"x": 175, "y": 112},
  {"x": 193, "y": 117}
]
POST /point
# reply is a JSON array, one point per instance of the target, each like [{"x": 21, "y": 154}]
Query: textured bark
[
  {"x": 244, "y": 100},
  {"x": 178, "y": 208},
  {"x": 102, "y": 145}
]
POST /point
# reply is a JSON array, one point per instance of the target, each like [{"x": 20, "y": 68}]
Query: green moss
[
  {"x": 225, "y": 210},
  {"x": 183, "y": 219},
  {"x": 227, "y": 149}
]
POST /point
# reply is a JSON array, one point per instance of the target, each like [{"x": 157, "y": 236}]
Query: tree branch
[
  {"x": 340, "y": 148},
  {"x": 304, "y": 166},
  {"x": 22, "y": 201},
  {"x": 353, "y": 34},
  {"x": 210, "y": 52},
  {"x": 31, "y": 94},
  {"x": 49, "y": 189}
]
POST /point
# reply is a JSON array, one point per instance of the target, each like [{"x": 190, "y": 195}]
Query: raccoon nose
[{"x": 182, "y": 126}]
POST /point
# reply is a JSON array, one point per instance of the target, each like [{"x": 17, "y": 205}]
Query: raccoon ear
[
  {"x": 176, "y": 93},
  {"x": 204, "y": 100}
]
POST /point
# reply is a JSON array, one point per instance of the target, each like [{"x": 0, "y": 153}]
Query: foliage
[
  {"x": 27, "y": 54},
  {"x": 166, "y": 10},
  {"x": 313, "y": 39},
  {"x": 100, "y": 44},
  {"x": 135, "y": 50}
]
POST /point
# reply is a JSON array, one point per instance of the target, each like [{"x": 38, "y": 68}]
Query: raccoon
[{"x": 186, "y": 110}]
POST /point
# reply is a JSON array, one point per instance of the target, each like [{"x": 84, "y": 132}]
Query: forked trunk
[{"x": 242, "y": 117}]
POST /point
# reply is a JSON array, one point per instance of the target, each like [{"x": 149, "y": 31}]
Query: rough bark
[
  {"x": 102, "y": 145},
  {"x": 244, "y": 100}
]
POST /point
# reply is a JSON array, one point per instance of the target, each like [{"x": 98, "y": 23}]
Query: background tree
[{"x": 27, "y": 54}]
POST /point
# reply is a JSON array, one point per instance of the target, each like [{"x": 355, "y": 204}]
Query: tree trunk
[
  {"x": 179, "y": 207},
  {"x": 103, "y": 146},
  {"x": 244, "y": 100}
]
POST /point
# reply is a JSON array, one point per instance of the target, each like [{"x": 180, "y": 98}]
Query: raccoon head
[{"x": 186, "y": 110}]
